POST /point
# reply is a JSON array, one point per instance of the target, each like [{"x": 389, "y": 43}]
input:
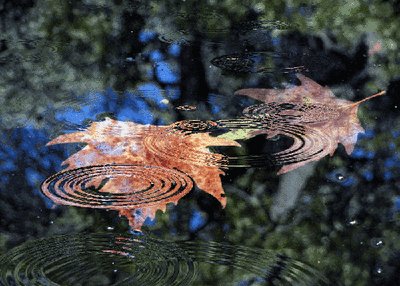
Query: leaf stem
[{"x": 368, "y": 98}]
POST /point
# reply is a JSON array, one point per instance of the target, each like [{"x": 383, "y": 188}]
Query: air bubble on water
[
  {"x": 115, "y": 270},
  {"x": 51, "y": 222},
  {"x": 379, "y": 270},
  {"x": 164, "y": 101},
  {"x": 110, "y": 228}
]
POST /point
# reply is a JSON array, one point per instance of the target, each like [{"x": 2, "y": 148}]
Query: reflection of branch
[
  {"x": 289, "y": 190},
  {"x": 240, "y": 193},
  {"x": 264, "y": 230}
]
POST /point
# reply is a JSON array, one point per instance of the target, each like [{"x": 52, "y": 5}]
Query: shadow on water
[{"x": 105, "y": 259}]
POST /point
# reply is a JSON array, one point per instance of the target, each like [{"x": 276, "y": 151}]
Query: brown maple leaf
[
  {"x": 311, "y": 115},
  {"x": 121, "y": 158}
]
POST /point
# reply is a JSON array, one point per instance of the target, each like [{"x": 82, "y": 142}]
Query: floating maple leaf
[
  {"x": 121, "y": 159},
  {"x": 311, "y": 115}
]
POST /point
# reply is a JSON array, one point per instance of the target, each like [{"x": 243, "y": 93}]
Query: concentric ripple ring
[
  {"x": 140, "y": 260},
  {"x": 91, "y": 259},
  {"x": 117, "y": 186},
  {"x": 195, "y": 125},
  {"x": 295, "y": 113}
]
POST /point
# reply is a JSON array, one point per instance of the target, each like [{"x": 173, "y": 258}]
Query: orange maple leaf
[
  {"x": 311, "y": 115},
  {"x": 117, "y": 166}
]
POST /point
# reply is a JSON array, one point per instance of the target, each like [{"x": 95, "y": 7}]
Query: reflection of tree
[{"x": 51, "y": 55}]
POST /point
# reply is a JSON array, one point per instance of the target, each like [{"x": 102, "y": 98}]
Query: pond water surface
[{"x": 199, "y": 143}]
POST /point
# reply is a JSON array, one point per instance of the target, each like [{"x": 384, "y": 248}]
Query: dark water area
[{"x": 199, "y": 143}]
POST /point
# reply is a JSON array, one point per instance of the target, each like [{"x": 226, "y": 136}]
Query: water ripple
[
  {"x": 309, "y": 141},
  {"x": 270, "y": 62},
  {"x": 117, "y": 186},
  {"x": 195, "y": 125},
  {"x": 108, "y": 259},
  {"x": 296, "y": 113}
]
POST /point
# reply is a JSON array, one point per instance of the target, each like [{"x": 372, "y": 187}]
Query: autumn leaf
[
  {"x": 129, "y": 165},
  {"x": 311, "y": 115}
]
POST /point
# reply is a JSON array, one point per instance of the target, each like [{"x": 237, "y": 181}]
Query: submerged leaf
[
  {"x": 138, "y": 163},
  {"x": 311, "y": 115}
]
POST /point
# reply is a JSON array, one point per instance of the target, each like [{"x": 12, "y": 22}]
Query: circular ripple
[
  {"x": 295, "y": 113},
  {"x": 262, "y": 25},
  {"x": 301, "y": 122},
  {"x": 117, "y": 186},
  {"x": 186, "y": 107},
  {"x": 242, "y": 63},
  {"x": 308, "y": 142},
  {"x": 307, "y": 145},
  {"x": 107, "y": 259},
  {"x": 244, "y": 123},
  {"x": 195, "y": 125},
  {"x": 175, "y": 145},
  {"x": 181, "y": 37},
  {"x": 256, "y": 62},
  {"x": 96, "y": 260}
]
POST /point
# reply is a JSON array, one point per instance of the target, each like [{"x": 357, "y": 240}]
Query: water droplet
[
  {"x": 115, "y": 270},
  {"x": 135, "y": 232},
  {"x": 379, "y": 270},
  {"x": 51, "y": 222},
  {"x": 110, "y": 228},
  {"x": 353, "y": 222},
  {"x": 164, "y": 101},
  {"x": 340, "y": 177},
  {"x": 376, "y": 242}
]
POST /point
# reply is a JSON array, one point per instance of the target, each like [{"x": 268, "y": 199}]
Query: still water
[{"x": 199, "y": 143}]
